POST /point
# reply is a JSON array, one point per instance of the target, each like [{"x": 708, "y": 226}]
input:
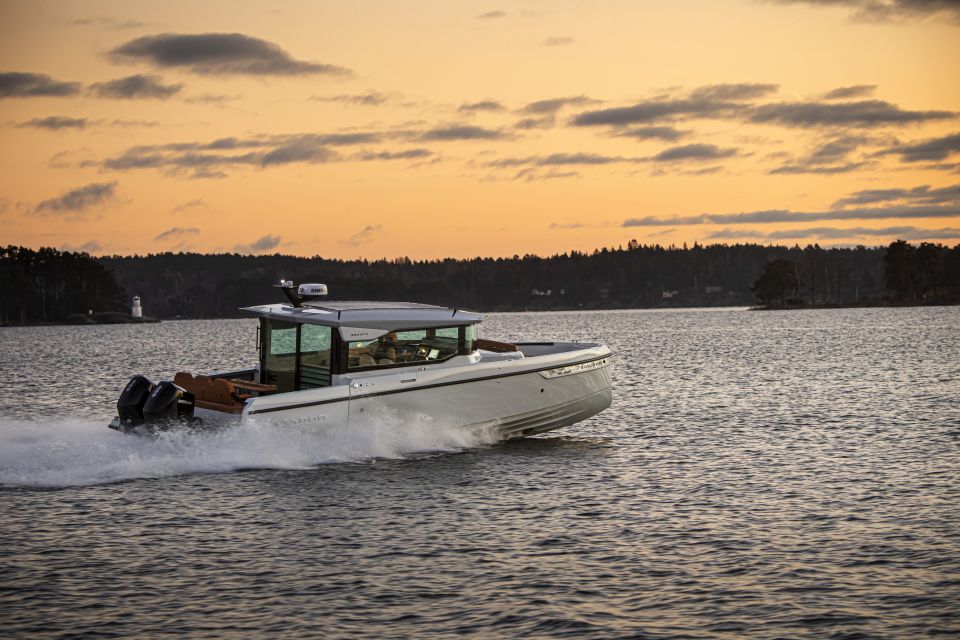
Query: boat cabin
[{"x": 309, "y": 346}]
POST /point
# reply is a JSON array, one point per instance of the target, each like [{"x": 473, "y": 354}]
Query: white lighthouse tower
[{"x": 136, "y": 311}]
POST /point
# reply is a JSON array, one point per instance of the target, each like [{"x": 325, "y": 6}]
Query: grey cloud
[
  {"x": 836, "y": 233},
  {"x": 557, "y": 41},
  {"x": 855, "y": 91},
  {"x": 650, "y": 111},
  {"x": 886, "y": 10},
  {"x": 364, "y": 235},
  {"x": 919, "y": 195},
  {"x": 711, "y": 101},
  {"x": 829, "y": 157},
  {"x": 107, "y": 23},
  {"x": 536, "y": 123},
  {"x": 136, "y": 86},
  {"x": 814, "y": 169},
  {"x": 55, "y": 123},
  {"x": 461, "y": 132},
  {"x": 79, "y": 199},
  {"x": 219, "y": 54},
  {"x": 369, "y": 99},
  {"x": 190, "y": 204},
  {"x": 863, "y": 114},
  {"x": 783, "y": 215},
  {"x": 211, "y": 159},
  {"x": 407, "y": 154},
  {"x": 14, "y": 84},
  {"x": 932, "y": 149},
  {"x": 483, "y": 105},
  {"x": 259, "y": 245},
  {"x": 694, "y": 152},
  {"x": 691, "y": 152},
  {"x": 176, "y": 233},
  {"x": 652, "y": 133},
  {"x": 552, "y": 105},
  {"x": 735, "y": 92},
  {"x": 489, "y": 15},
  {"x": 211, "y": 98}
]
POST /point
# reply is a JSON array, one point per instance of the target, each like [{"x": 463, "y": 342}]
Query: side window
[
  {"x": 280, "y": 354},
  {"x": 314, "y": 356},
  {"x": 404, "y": 348}
]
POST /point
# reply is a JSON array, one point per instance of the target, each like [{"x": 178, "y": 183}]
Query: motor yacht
[{"x": 333, "y": 364}]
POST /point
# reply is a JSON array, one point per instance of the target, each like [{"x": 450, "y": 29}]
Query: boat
[{"x": 332, "y": 364}]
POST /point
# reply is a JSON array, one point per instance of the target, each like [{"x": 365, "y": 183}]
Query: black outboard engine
[
  {"x": 145, "y": 407},
  {"x": 168, "y": 403},
  {"x": 130, "y": 404}
]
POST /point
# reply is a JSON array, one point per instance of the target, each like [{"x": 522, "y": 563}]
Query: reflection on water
[{"x": 759, "y": 475}]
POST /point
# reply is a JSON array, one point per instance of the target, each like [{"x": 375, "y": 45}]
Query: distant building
[{"x": 136, "y": 311}]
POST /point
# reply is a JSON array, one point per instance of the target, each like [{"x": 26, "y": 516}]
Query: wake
[{"x": 69, "y": 452}]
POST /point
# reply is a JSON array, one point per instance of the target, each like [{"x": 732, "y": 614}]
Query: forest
[{"x": 47, "y": 285}]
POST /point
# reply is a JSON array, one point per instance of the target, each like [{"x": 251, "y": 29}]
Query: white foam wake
[{"x": 59, "y": 453}]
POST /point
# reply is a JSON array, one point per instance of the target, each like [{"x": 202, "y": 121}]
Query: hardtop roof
[{"x": 369, "y": 315}]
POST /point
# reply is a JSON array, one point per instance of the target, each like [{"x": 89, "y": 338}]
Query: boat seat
[{"x": 216, "y": 394}]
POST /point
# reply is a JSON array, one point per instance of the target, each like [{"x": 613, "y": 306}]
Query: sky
[{"x": 441, "y": 129}]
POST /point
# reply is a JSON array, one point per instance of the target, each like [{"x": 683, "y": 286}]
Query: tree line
[{"x": 47, "y": 285}]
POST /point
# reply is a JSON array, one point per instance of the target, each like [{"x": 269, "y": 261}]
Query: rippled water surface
[{"x": 763, "y": 475}]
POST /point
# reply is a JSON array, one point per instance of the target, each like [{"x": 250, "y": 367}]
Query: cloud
[
  {"x": 461, "y": 132},
  {"x": 190, "y": 204},
  {"x": 211, "y": 98},
  {"x": 90, "y": 246},
  {"x": 209, "y": 159},
  {"x": 219, "y": 54},
  {"x": 557, "y": 41},
  {"x": 533, "y": 174},
  {"x": 55, "y": 123},
  {"x": 933, "y": 149},
  {"x": 106, "y": 23},
  {"x": 919, "y": 195},
  {"x": 364, "y": 235},
  {"x": 862, "y": 114},
  {"x": 483, "y": 105},
  {"x": 652, "y": 111},
  {"x": 652, "y": 133},
  {"x": 491, "y": 15},
  {"x": 711, "y": 101},
  {"x": 177, "y": 233},
  {"x": 887, "y": 10},
  {"x": 79, "y": 199},
  {"x": 552, "y": 105},
  {"x": 694, "y": 152},
  {"x": 545, "y": 122},
  {"x": 691, "y": 152},
  {"x": 855, "y": 91},
  {"x": 735, "y": 92},
  {"x": 260, "y": 245},
  {"x": 369, "y": 99},
  {"x": 134, "y": 87},
  {"x": 15, "y": 84},
  {"x": 406, "y": 154},
  {"x": 838, "y": 233}
]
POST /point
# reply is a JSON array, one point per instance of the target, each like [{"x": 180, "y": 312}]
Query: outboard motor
[
  {"x": 168, "y": 403},
  {"x": 130, "y": 404}
]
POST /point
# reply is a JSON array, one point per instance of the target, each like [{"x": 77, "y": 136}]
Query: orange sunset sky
[{"x": 431, "y": 129}]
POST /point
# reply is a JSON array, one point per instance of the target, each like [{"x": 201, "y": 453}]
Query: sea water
[{"x": 760, "y": 474}]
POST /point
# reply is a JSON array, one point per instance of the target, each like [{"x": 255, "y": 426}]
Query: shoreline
[{"x": 94, "y": 321}]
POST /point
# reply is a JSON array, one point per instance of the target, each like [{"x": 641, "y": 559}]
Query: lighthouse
[{"x": 136, "y": 311}]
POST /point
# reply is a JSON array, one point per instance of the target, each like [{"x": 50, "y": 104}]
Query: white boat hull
[{"x": 513, "y": 399}]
